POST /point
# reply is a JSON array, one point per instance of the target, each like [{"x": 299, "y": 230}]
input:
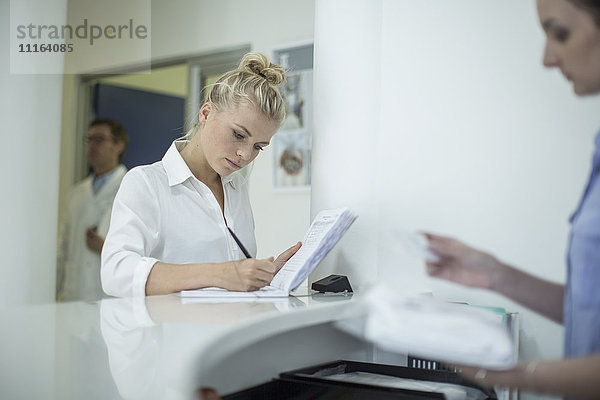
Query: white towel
[{"x": 437, "y": 330}]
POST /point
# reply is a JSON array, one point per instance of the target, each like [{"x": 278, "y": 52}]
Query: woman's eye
[
  {"x": 560, "y": 35},
  {"x": 238, "y": 135},
  {"x": 257, "y": 147}
]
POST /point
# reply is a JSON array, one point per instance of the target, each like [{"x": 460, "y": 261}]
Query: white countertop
[{"x": 165, "y": 347}]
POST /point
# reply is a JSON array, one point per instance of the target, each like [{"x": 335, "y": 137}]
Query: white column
[
  {"x": 30, "y": 114},
  {"x": 346, "y": 128}
]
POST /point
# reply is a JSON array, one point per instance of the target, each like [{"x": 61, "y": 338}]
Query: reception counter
[{"x": 167, "y": 347}]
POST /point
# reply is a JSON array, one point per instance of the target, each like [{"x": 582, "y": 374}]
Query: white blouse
[{"x": 163, "y": 213}]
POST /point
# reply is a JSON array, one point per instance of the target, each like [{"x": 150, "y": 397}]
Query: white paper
[
  {"x": 416, "y": 244},
  {"x": 433, "y": 329},
  {"x": 267, "y": 291},
  {"x": 325, "y": 231}
]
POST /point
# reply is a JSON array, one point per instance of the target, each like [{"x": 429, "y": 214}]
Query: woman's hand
[
  {"x": 462, "y": 264},
  {"x": 249, "y": 274},
  {"x": 572, "y": 378},
  {"x": 244, "y": 275},
  {"x": 517, "y": 376},
  {"x": 286, "y": 255}
]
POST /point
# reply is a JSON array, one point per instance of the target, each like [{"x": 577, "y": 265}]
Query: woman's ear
[{"x": 205, "y": 110}]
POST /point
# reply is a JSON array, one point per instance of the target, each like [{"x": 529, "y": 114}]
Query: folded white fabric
[{"x": 433, "y": 329}]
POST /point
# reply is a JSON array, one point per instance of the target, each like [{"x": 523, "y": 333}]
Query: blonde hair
[{"x": 253, "y": 81}]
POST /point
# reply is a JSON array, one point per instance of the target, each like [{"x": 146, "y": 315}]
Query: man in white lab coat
[{"x": 88, "y": 213}]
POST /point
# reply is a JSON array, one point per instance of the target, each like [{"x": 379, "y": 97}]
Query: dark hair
[
  {"x": 592, "y": 7},
  {"x": 117, "y": 130}
]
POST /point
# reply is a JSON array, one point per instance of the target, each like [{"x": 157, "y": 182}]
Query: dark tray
[{"x": 312, "y": 383}]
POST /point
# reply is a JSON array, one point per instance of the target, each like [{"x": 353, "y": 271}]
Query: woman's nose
[
  {"x": 243, "y": 153},
  {"x": 550, "y": 58}
]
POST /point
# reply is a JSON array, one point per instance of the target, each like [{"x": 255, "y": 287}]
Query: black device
[{"x": 332, "y": 284}]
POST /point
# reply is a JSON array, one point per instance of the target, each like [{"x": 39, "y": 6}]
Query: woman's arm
[
  {"x": 134, "y": 232},
  {"x": 462, "y": 264},
  {"x": 241, "y": 275},
  {"x": 577, "y": 377},
  {"x": 542, "y": 296}
]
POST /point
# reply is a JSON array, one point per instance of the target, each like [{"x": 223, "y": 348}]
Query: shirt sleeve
[{"x": 133, "y": 234}]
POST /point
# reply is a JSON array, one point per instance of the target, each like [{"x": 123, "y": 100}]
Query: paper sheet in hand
[
  {"x": 416, "y": 244},
  {"x": 325, "y": 231}
]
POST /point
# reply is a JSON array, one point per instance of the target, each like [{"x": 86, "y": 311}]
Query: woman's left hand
[
  {"x": 514, "y": 377},
  {"x": 286, "y": 255},
  {"x": 474, "y": 374}
]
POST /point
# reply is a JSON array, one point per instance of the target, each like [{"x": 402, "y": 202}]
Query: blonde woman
[{"x": 169, "y": 226}]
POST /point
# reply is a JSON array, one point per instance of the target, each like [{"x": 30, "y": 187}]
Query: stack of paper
[
  {"x": 433, "y": 329},
  {"x": 325, "y": 231}
]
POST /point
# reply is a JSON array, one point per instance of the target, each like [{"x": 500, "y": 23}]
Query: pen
[{"x": 239, "y": 244}]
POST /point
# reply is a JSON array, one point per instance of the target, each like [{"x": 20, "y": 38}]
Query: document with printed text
[{"x": 326, "y": 230}]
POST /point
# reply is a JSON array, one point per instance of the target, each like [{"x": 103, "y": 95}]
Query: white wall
[
  {"x": 439, "y": 116},
  {"x": 30, "y": 114}
]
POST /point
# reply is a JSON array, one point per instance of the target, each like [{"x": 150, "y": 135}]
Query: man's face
[{"x": 102, "y": 150}]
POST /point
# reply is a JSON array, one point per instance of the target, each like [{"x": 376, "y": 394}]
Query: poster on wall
[{"x": 293, "y": 142}]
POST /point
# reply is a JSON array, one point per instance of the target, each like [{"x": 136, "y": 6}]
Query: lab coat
[{"x": 78, "y": 268}]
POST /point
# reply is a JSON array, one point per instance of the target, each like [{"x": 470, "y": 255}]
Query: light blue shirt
[
  {"x": 582, "y": 295},
  {"x": 99, "y": 181}
]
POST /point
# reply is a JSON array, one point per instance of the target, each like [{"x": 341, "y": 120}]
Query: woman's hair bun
[
  {"x": 259, "y": 64},
  {"x": 254, "y": 81}
]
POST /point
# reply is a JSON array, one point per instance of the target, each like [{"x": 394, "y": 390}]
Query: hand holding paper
[
  {"x": 416, "y": 244},
  {"x": 327, "y": 229}
]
